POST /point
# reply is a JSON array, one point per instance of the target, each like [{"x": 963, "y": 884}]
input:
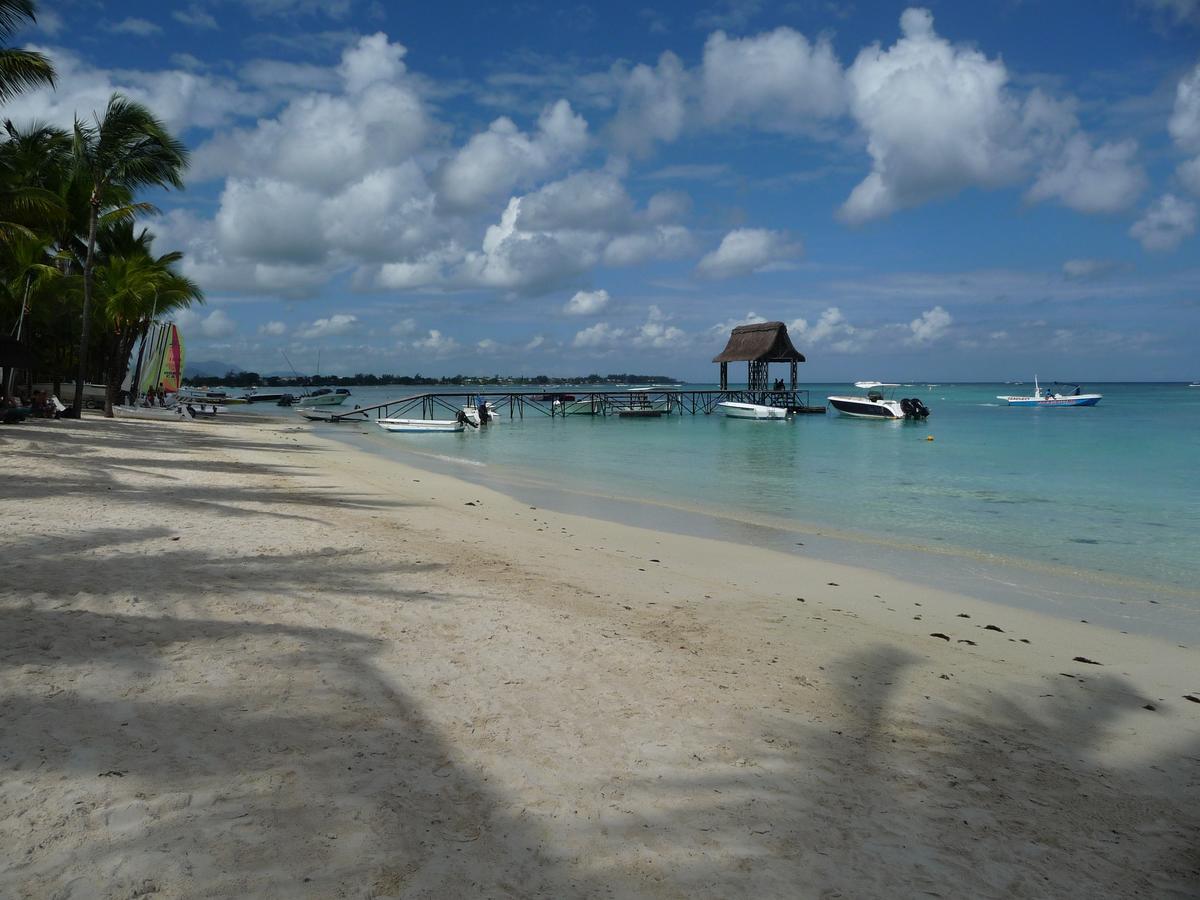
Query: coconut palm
[
  {"x": 127, "y": 148},
  {"x": 34, "y": 162},
  {"x": 132, "y": 288},
  {"x": 20, "y": 69}
]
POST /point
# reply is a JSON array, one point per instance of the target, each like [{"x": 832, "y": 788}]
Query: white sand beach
[{"x": 241, "y": 660}]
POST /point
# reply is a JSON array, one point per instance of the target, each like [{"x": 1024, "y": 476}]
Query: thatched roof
[{"x": 761, "y": 342}]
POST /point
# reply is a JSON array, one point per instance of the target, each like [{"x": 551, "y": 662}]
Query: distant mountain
[{"x": 207, "y": 368}]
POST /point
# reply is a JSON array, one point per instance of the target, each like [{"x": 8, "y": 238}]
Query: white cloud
[
  {"x": 495, "y": 161},
  {"x": 404, "y": 327},
  {"x": 273, "y": 329},
  {"x": 487, "y": 345},
  {"x": 652, "y": 106},
  {"x": 436, "y": 343},
  {"x": 1103, "y": 179},
  {"x": 776, "y": 80},
  {"x": 746, "y": 250},
  {"x": 598, "y": 336},
  {"x": 722, "y": 329},
  {"x": 592, "y": 201},
  {"x": 1184, "y": 126},
  {"x": 937, "y": 119},
  {"x": 534, "y": 342},
  {"x": 660, "y": 242},
  {"x": 831, "y": 329},
  {"x": 216, "y": 324},
  {"x": 1166, "y": 224},
  {"x": 1189, "y": 174},
  {"x": 668, "y": 206},
  {"x": 1087, "y": 268},
  {"x": 586, "y": 303},
  {"x": 182, "y": 99},
  {"x": 333, "y": 326},
  {"x": 656, "y": 332},
  {"x": 321, "y": 141},
  {"x": 135, "y": 26},
  {"x": 929, "y": 326},
  {"x": 195, "y": 17}
]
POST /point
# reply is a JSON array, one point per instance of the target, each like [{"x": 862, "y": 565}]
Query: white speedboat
[
  {"x": 418, "y": 426},
  {"x": 875, "y": 405},
  {"x": 734, "y": 410},
  {"x": 324, "y": 397},
  {"x": 1052, "y": 398}
]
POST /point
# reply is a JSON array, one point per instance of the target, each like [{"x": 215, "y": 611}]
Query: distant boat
[
  {"x": 254, "y": 395},
  {"x": 1052, "y": 398},
  {"x": 324, "y": 397},
  {"x": 876, "y": 406},
  {"x": 417, "y": 426},
  {"x": 734, "y": 410}
]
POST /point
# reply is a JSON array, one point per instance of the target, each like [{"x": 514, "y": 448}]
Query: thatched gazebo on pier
[{"x": 759, "y": 345}]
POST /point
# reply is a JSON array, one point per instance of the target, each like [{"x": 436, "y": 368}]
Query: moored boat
[
  {"x": 875, "y": 405},
  {"x": 418, "y": 426},
  {"x": 1052, "y": 398},
  {"x": 734, "y": 410},
  {"x": 324, "y": 397}
]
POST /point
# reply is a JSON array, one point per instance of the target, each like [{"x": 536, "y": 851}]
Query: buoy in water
[{"x": 929, "y": 437}]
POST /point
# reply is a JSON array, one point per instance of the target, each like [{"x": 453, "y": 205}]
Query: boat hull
[
  {"x": 1070, "y": 400},
  {"x": 862, "y": 408},
  {"x": 420, "y": 426},
  {"x": 734, "y": 410},
  {"x": 322, "y": 400}
]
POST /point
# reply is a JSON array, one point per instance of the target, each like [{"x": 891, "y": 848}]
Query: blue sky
[{"x": 948, "y": 191}]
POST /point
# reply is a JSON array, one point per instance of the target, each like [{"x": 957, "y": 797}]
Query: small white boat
[
  {"x": 590, "y": 407},
  {"x": 877, "y": 406},
  {"x": 734, "y": 410},
  {"x": 418, "y": 426},
  {"x": 1053, "y": 399},
  {"x": 324, "y": 397}
]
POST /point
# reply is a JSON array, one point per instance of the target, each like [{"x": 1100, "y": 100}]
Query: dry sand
[{"x": 241, "y": 660}]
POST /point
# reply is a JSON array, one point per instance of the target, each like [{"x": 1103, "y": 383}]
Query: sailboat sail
[
  {"x": 172, "y": 375},
  {"x": 164, "y": 361}
]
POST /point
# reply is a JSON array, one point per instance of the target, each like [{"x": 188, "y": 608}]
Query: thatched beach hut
[{"x": 759, "y": 345}]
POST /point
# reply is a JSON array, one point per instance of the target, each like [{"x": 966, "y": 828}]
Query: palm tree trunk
[{"x": 77, "y": 406}]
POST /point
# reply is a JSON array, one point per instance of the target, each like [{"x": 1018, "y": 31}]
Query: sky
[{"x": 952, "y": 191}]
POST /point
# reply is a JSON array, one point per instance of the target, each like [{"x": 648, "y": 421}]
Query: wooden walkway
[{"x": 564, "y": 404}]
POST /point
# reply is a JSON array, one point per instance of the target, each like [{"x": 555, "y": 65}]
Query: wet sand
[{"x": 243, "y": 660}]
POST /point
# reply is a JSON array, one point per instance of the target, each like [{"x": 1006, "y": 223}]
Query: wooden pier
[{"x": 648, "y": 403}]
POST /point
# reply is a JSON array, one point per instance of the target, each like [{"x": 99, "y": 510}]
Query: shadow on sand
[{"x": 177, "y": 756}]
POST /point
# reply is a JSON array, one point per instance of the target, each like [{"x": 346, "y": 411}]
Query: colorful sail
[
  {"x": 172, "y": 373},
  {"x": 163, "y": 362}
]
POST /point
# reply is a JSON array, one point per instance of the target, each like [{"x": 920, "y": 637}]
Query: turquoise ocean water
[{"x": 1085, "y": 512}]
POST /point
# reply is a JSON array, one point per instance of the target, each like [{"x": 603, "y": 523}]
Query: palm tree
[
  {"x": 33, "y": 164},
  {"x": 20, "y": 69},
  {"x": 128, "y": 148},
  {"x": 133, "y": 287}
]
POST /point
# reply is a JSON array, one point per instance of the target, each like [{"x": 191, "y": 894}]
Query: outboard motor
[
  {"x": 920, "y": 410},
  {"x": 906, "y": 406}
]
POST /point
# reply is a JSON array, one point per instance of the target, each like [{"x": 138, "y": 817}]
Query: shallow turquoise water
[{"x": 1108, "y": 493}]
